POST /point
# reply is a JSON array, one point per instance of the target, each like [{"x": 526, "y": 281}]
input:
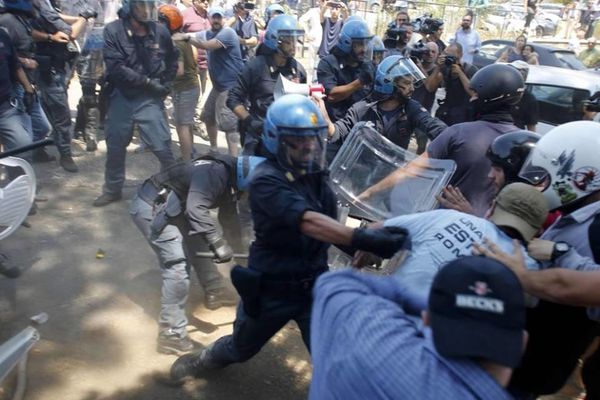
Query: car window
[
  {"x": 569, "y": 60},
  {"x": 492, "y": 51},
  {"x": 559, "y": 105}
]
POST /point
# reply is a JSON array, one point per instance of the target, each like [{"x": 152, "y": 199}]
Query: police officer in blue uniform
[
  {"x": 55, "y": 55},
  {"x": 396, "y": 115},
  {"x": 257, "y": 80},
  {"x": 173, "y": 211},
  {"x": 294, "y": 213},
  {"x": 346, "y": 74},
  {"x": 141, "y": 63}
]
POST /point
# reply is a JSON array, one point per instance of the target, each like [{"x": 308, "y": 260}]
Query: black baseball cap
[{"x": 477, "y": 309}]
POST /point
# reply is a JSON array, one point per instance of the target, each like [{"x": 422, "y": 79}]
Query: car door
[{"x": 557, "y": 105}]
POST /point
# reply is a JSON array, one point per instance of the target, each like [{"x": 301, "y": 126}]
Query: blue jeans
[
  {"x": 251, "y": 334},
  {"x": 53, "y": 93},
  {"x": 170, "y": 249},
  {"x": 122, "y": 113},
  {"x": 13, "y": 133},
  {"x": 37, "y": 123}
]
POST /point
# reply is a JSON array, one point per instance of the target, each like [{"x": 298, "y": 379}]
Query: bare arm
[
  {"x": 464, "y": 79},
  {"x": 323, "y": 10},
  {"x": 250, "y": 42},
  {"x": 396, "y": 176},
  {"x": 78, "y": 27},
  {"x": 22, "y": 78},
  {"x": 433, "y": 81},
  {"x": 241, "y": 112},
  {"x": 325, "y": 229},
  {"x": 531, "y": 127},
  {"x": 212, "y": 44},
  {"x": 560, "y": 285},
  {"x": 340, "y": 93}
]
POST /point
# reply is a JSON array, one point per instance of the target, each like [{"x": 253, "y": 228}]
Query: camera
[
  {"x": 418, "y": 51},
  {"x": 592, "y": 105},
  {"x": 427, "y": 26},
  {"x": 449, "y": 60},
  {"x": 393, "y": 36}
]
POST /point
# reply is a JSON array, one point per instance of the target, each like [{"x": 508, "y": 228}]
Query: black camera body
[
  {"x": 418, "y": 51},
  {"x": 450, "y": 60},
  {"x": 592, "y": 105},
  {"x": 429, "y": 26},
  {"x": 393, "y": 35}
]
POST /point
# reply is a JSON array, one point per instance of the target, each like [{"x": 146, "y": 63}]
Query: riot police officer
[
  {"x": 182, "y": 227},
  {"x": 90, "y": 70},
  {"x": 346, "y": 74},
  {"x": 395, "y": 115},
  {"x": 54, "y": 55},
  {"x": 293, "y": 210},
  {"x": 271, "y": 12},
  {"x": 255, "y": 84},
  {"x": 141, "y": 63}
]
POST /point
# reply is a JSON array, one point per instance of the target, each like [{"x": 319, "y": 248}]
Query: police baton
[
  {"x": 207, "y": 254},
  {"x": 28, "y": 147}
]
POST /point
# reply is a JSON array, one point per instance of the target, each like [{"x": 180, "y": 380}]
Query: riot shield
[
  {"x": 91, "y": 64},
  {"x": 367, "y": 160}
]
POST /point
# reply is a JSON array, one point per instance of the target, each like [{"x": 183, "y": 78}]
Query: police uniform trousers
[
  {"x": 52, "y": 87},
  {"x": 13, "y": 132},
  {"x": 250, "y": 334},
  {"x": 170, "y": 248},
  {"x": 148, "y": 114}
]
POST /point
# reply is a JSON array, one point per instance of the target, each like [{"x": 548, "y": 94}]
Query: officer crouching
[
  {"x": 294, "y": 211},
  {"x": 173, "y": 211}
]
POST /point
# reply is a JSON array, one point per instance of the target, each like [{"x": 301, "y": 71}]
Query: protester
[
  {"x": 564, "y": 165},
  {"x": 195, "y": 19},
  {"x": 245, "y": 27},
  {"x": 514, "y": 53},
  {"x": 365, "y": 335},
  {"x": 331, "y": 25}
]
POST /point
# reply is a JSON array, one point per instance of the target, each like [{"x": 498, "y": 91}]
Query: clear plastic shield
[
  {"x": 369, "y": 163},
  {"x": 91, "y": 63}
]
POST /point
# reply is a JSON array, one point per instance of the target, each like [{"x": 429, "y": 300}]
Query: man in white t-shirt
[{"x": 440, "y": 236}]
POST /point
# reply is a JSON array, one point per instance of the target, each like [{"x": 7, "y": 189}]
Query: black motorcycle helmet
[
  {"x": 510, "y": 150},
  {"x": 497, "y": 85}
]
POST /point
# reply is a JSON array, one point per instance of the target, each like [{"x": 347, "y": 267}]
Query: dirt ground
[{"x": 100, "y": 340}]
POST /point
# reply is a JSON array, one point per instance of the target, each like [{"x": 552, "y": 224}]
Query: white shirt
[
  {"x": 311, "y": 21},
  {"x": 470, "y": 42},
  {"x": 440, "y": 236}
]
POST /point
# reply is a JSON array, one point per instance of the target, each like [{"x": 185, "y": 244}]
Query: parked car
[
  {"x": 509, "y": 18},
  {"x": 560, "y": 93},
  {"x": 547, "y": 55}
]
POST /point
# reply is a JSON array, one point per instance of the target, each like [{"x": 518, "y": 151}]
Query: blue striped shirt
[{"x": 364, "y": 345}]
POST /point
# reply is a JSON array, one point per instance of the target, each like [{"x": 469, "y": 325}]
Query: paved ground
[{"x": 100, "y": 340}]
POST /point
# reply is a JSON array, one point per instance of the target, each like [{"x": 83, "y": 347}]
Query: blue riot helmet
[
  {"x": 244, "y": 168},
  {"x": 17, "y": 5},
  {"x": 282, "y": 35},
  {"x": 141, "y": 10},
  {"x": 271, "y": 11},
  {"x": 354, "y": 39},
  {"x": 397, "y": 76},
  {"x": 376, "y": 51},
  {"x": 295, "y": 133},
  {"x": 354, "y": 18}
]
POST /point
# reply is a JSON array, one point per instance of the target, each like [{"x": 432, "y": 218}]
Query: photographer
[
  {"x": 332, "y": 25},
  {"x": 425, "y": 93},
  {"x": 455, "y": 108},
  {"x": 434, "y": 33},
  {"x": 397, "y": 39},
  {"x": 245, "y": 27}
]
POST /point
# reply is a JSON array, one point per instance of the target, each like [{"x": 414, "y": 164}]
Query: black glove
[
  {"x": 384, "y": 242},
  {"x": 221, "y": 250},
  {"x": 252, "y": 125},
  {"x": 89, "y": 13},
  {"x": 365, "y": 75},
  {"x": 157, "y": 88},
  {"x": 28, "y": 100}
]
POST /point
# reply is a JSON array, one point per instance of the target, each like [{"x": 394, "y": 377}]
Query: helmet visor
[
  {"x": 405, "y": 68},
  {"x": 360, "y": 48},
  {"x": 535, "y": 175},
  {"x": 144, "y": 11},
  {"x": 303, "y": 150}
]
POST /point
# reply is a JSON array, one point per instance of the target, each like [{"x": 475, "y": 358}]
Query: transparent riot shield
[
  {"x": 91, "y": 63},
  {"x": 376, "y": 179}
]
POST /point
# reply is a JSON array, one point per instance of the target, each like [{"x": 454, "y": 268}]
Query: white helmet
[{"x": 565, "y": 163}]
